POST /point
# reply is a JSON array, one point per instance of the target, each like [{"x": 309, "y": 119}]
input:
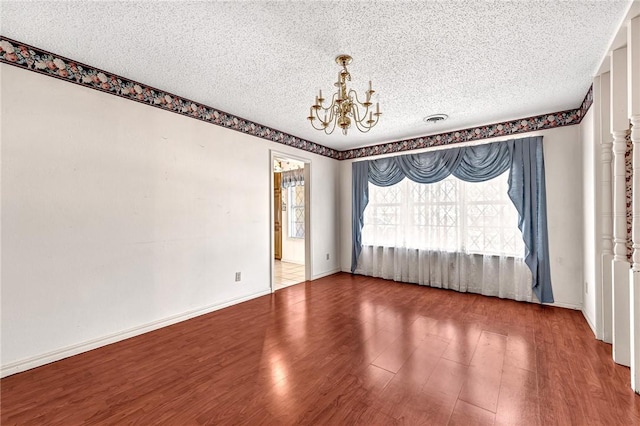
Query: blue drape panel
[
  {"x": 359, "y": 201},
  {"x": 430, "y": 168},
  {"x": 384, "y": 171},
  {"x": 527, "y": 190},
  {"x": 483, "y": 162},
  {"x": 479, "y": 163}
]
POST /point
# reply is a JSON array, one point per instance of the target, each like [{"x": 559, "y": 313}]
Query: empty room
[{"x": 320, "y": 212}]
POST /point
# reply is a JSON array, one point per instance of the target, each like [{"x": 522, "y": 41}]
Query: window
[
  {"x": 451, "y": 215},
  {"x": 296, "y": 211}
]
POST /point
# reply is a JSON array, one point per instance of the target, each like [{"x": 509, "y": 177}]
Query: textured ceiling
[{"x": 478, "y": 62}]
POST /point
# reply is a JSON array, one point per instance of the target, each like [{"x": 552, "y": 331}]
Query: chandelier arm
[
  {"x": 314, "y": 126},
  {"x": 361, "y": 122},
  {"x": 328, "y": 110},
  {"x": 355, "y": 111},
  {"x": 317, "y": 111},
  {"x": 363, "y": 127},
  {"x": 355, "y": 95},
  {"x": 376, "y": 115},
  {"x": 332, "y": 108},
  {"x": 332, "y": 121}
]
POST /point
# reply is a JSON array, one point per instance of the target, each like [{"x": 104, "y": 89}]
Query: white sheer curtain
[{"x": 451, "y": 234}]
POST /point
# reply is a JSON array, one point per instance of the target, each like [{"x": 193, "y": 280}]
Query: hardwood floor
[{"x": 341, "y": 350}]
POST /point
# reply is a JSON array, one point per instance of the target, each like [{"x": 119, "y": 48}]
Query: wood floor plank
[
  {"x": 482, "y": 379},
  {"x": 461, "y": 351},
  {"x": 481, "y": 387},
  {"x": 520, "y": 350},
  {"x": 343, "y": 349},
  {"x": 395, "y": 355},
  {"x": 518, "y": 403},
  {"x": 465, "y": 414},
  {"x": 447, "y": 378}
]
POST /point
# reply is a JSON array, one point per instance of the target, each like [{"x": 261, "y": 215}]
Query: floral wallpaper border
[
  {"x": 37, "y": 60},
  {"x": 521, "y": 125},
  {"x": 40, "y": 61}
]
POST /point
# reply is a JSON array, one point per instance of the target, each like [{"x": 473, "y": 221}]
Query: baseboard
[
  {"x": 556, "y": 304},
  {"x": 37, "y": 361},
  {"x": 593, "y": 327},
  {"x": 326, "y": 274},
  {"x": 565, "y": 305}
]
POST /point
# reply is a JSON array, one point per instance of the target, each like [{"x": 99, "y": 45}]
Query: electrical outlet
[
  {"x": 238, "y": 276},
  {"x": 328, "y": 256}
]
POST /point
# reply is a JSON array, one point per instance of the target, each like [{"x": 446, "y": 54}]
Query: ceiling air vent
[{"x": 435, "y": 118}]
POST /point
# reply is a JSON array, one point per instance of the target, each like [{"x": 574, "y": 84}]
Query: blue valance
[
  {"x": 527, "y": 190},
  {"x": 292, "y": 178}
]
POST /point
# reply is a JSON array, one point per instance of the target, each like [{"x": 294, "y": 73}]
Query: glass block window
[
  {"x": 450, "y": 215},
  {"x": 296, "y": 211}
]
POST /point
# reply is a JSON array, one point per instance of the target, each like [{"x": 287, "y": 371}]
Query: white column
[
  {"x": 596, "y": 261},
  {"x": 619, "y": 128},
  {"x": 633, "y": 76},
  {"x": 603, "y": 98},
  {"x": 634, "y": 288},
  {"x": 619, "y": 197}
]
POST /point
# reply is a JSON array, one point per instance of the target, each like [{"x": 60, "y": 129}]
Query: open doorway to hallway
[{"x": 289, "y": 222}]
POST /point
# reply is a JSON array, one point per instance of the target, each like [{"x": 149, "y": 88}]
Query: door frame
[{"x": 273, "y": 155}]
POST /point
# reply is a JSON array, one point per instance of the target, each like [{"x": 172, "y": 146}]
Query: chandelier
[{"x": 345, "y": 107}]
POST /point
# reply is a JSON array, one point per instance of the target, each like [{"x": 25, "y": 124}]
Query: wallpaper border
[
  {"x": 34, "y": 59},
  {"x": 27, "y": 57},
  {"x": 513, "y": 127}
]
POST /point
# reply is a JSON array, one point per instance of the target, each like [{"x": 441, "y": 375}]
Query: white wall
[
  {"x": 591, "y": 237},
  {"x": 118, "y": 217},
  {"x": 562, "y": 149},
  {"x": 325, "y": 218}
]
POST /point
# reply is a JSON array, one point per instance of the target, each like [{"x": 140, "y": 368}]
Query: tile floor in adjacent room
[{"x": 286, "y": 274}]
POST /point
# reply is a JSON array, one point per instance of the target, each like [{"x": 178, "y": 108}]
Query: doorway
[{"x": 290, "y": 221}]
